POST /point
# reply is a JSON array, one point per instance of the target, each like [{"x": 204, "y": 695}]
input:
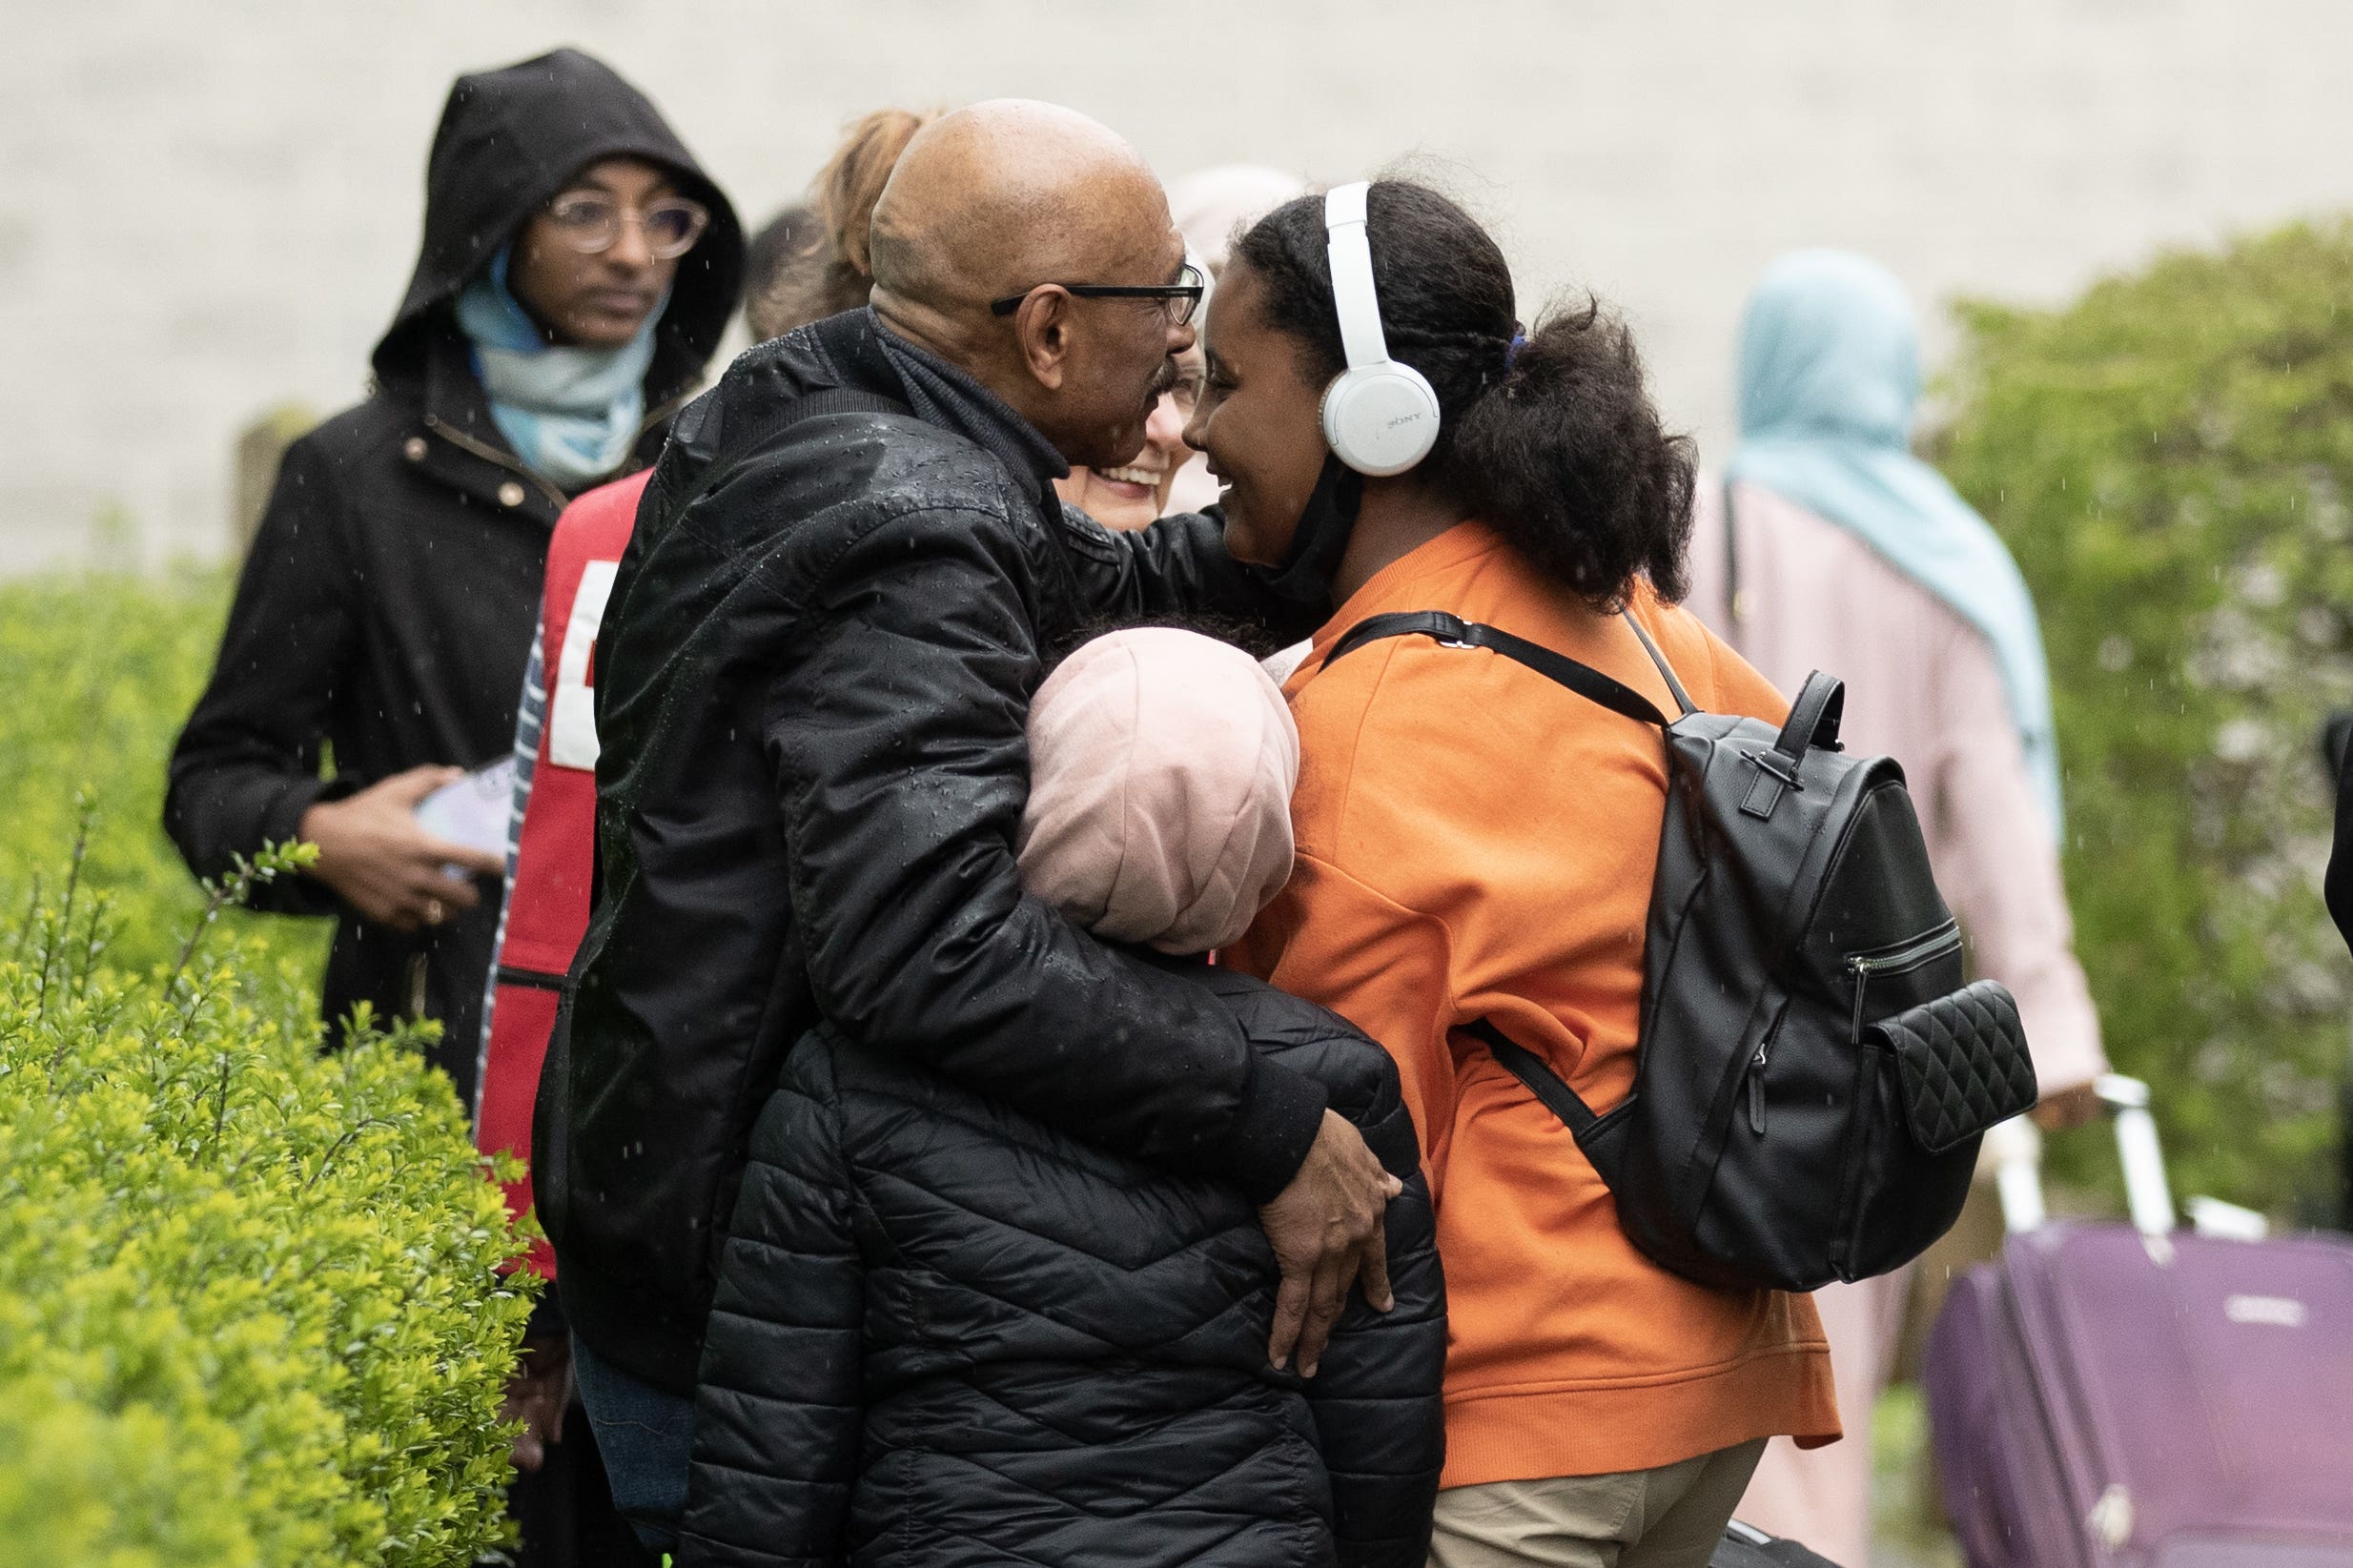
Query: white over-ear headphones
[{"x": 1379, "y": 417}]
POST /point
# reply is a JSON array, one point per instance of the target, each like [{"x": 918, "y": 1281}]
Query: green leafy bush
[
  {"x": 249, "y": 1312},
  {"x": 97, "y": 674},
  {"x": 2170, "y": 458},
  {"x": 249, "y": 1306}
]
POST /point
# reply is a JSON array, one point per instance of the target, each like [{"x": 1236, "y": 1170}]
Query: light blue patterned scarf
[
  {"x": 570, "y": 414},
  {"x": 1829, "y": 376}
]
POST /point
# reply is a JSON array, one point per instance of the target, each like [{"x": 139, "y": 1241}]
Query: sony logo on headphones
[{"x": 1405, "y": 420}]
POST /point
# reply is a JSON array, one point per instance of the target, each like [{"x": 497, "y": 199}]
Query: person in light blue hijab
[
  {"x": 1850, "y": 554},
  {"x": 1829, "y": 379}
]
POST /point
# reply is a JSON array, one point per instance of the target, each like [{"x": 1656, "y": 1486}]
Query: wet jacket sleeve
[
  {"x": 1376, "y": 1396},
  {"x": 895, "y": 728},
  {"x": 778, "y": 1410},
  {"x": 246, "y": 767},
  {"x": 1179, "y": 566}
]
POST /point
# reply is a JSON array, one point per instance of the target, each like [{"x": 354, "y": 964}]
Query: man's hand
[
  {"x": 382, "y": 863},
  {"x": 1327, "y": 1229},
  {"x": 535, "y": 1395}
]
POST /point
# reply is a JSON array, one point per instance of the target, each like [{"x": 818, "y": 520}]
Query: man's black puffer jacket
[
  {"x": 947, "y": 1336},
  {"x": 811, "y": 682}
]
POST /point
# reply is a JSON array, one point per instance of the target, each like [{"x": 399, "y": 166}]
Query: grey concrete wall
[{"x": 208, "y": 209}]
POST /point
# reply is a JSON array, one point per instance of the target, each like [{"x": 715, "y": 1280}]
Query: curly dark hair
[{"x": 1559, "y": 448}]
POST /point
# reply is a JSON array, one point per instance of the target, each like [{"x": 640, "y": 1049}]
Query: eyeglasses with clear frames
[
  {"x": 1178, "y": 299},
  {"x": 1186, "y": 389},
  {"x": 589, "y": 222}
]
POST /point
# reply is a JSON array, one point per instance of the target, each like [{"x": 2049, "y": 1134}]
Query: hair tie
[{"x": 1511, "y": 354}]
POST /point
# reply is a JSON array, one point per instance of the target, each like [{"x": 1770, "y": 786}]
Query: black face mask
[{"x": 1326, "y": 525}]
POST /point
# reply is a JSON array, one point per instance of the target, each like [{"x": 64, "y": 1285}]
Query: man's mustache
[{"x": 1165, "y": 379}]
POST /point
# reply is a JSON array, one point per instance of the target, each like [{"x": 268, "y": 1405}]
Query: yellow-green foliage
[
  {"x": 249, "y": 1306},
  {"x": 2171, "y": 460},
  {"x": 96, "y": 674},
  {"x": 250, "y": 1312}
]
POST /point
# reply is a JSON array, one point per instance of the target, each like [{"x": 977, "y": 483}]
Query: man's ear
[{"x": 1043, "y": 327}]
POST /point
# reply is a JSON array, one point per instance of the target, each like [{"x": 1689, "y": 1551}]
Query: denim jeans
[{"x": 647, "y": 1437}]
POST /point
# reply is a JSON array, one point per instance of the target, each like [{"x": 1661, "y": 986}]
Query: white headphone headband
[
  {"x": 1353, "y": 296},
  {"x": 1379, "y": 417}
]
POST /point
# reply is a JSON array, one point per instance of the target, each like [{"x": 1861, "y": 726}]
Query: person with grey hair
[{"x": 1212, "y": 205}]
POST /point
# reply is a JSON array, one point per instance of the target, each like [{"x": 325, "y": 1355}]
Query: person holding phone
[{"x": 575, "y": 273}]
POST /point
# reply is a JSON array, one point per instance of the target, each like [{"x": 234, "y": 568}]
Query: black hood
[{"x": 508, "y": 140}]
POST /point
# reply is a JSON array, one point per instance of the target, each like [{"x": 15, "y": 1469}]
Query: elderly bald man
[{"x": 811, "y": 688}]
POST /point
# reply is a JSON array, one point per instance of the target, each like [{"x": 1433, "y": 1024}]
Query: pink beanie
[{"x": 1161, "y": 765}]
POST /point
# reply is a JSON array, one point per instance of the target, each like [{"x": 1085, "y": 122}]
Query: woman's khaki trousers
[{"x": 1668, "y": 1518}]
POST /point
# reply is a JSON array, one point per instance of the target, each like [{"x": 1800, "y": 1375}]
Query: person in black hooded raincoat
[{"x": 576, "y": 270}]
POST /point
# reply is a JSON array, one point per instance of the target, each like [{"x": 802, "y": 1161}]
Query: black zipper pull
[{"x": 1756, "y": 1094}]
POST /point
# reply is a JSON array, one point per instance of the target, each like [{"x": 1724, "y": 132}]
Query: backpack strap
[
  {"x": 1658, "y": 658},
  {"x": 1454, "y": 632},
  {"x": 1546, "y": 1085}
]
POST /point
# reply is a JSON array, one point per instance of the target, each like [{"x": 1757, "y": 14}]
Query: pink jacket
[{"x": 1922, "y": 687}]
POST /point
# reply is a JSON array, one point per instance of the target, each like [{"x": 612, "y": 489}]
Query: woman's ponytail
[
  {"x": 823, "y": 263},
  {"x": 1549, "y": 436},
  {"x": 1564, "y": 454}
]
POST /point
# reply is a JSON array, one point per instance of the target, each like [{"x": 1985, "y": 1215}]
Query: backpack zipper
[
  {"x": 1911, "y": 956},
  {"x": 1863, "y": 966}
]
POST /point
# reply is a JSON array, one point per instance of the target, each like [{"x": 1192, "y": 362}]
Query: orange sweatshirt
[{"x": 1475, "y": 841}]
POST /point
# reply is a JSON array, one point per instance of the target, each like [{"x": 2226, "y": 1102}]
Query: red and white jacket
[{"x": 551, "y": 845}]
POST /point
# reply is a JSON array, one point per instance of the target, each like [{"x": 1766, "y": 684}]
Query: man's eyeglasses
[
  {"x": 1178, "y": 299},
  {"x": 591, "y": 223}
]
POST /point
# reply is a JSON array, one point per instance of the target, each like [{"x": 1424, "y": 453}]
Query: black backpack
[
  {"x": 1746, "y": 1546},
  {"x": 1812, "y": 1078}
]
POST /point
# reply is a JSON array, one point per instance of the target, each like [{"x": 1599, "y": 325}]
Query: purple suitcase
[{"x": 2115, "y": 1395}]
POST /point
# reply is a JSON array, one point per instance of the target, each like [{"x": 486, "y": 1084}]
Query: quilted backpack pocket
[
  {"x": 1930, "y": 1081},
  {"x": 1960, "y": 1065}
]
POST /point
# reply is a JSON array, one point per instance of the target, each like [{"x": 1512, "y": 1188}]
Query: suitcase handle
[
  {"x": 2015, "y": 1147},
  {"x": 2147, "y": 1194}
]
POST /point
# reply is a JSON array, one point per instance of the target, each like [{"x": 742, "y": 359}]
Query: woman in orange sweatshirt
[{"x": 1476, "y": 841}]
